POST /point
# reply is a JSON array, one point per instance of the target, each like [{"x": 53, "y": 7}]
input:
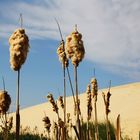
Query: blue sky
[{"x": 111, "y": 35}]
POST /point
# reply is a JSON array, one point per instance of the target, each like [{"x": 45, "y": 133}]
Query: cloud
[{"x": 110, "y": 28}]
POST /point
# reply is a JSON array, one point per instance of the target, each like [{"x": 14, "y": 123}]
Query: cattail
[
  {"x": 62, "y": 55},
  {"x": 51, "y": 100},
  {"x": 107, "y": 110},
  {"x": 55, "y": 130},
  {"x": 60, "y": 99},
  {"x": 89, "y": 101},
  {"x": 94, "y": 90},
  {"x": 5, "y": 101},
  {"x": 75, "y": 48},
  {"x": 107, "y": 101},
  {"x": 47, "y": 123},
  {"x": 19, "y": 47}
]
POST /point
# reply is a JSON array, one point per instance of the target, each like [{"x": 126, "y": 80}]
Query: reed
[
  {"x": 94, "y": 92},
  {"x": 75, "y": 51},
  {"x": 19, "y": 47},
  {"x": 106, "y": 99}
]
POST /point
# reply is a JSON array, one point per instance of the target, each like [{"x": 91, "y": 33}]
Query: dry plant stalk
[
  {"x": 55, "y": 131},
  {"x": 118, "y": 129},
  {"x": 6, "y": 122},
  {"x": 19, "y": 47},
  {"x": 107, "y": 111},
  {"x": 47, "y": 124},
  {"x": 75, "y": 51},
  {"x": 62, "y": 129},
  {"x": 64, "y": 60},
  {"x": 89, "y": 102},
  {"x": 94, "y": 92},
  {"x": 89, "y": 108},
  {"x": 54, "y": 105}
]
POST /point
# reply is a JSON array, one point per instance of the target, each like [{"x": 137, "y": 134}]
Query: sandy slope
[{"x": 125, "y": 100}]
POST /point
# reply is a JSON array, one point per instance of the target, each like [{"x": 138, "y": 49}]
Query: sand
[{"x": 125, "y": 100}]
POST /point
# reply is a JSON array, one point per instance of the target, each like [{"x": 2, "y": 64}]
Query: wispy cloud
[{"x": 111, "y": 28}]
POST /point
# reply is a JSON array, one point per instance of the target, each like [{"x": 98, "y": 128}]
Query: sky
[{"x": 110, "y": 32}]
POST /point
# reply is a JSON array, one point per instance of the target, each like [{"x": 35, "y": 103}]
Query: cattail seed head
[
  {"x": 108, "y": 102},
  {"x": 19, "y": 47},
  {"x": 89, "y": 101},
  {"x": 51, "y": 100},
  {"x": 75, "y": 48},
  {"x": 5, "y": 101},
  {"x": 60, "y": 99},
  {"x": 47, "y": 123},
  {"x": 94, "y": 90},
  {"x": 62, "y": 55}
]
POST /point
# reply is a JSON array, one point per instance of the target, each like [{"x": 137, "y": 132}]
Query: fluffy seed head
[
  {"x": 19, "y": 47},
  {"x": 62, "y": 55},
  {"x": 75, "y": 48}
]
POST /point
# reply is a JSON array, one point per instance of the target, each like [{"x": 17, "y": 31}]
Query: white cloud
[{"x": 110, "y": 28}]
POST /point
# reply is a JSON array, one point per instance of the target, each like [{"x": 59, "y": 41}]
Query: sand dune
[{"x": 125, "y": 100}]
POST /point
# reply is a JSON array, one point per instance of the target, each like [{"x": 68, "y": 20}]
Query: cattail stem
[
  {"x": 96, "y": 123},
  {"x": 77, "y": 102},
  {"x": 71, "y": 86},
  {"x": 107, "y": 128},
  {"x": 64, "y": 132},
  {"x": 17, "y": 108},
  {"x": 107, "y": 120}
]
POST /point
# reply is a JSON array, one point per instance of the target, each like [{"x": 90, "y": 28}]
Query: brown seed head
[
  {"x": 51, "y": 100},
  {"x": 94, "y": 90},
  {"x": 47, "y": 123},
  {"x": 75, "y": 48},
  {"x": 19, "y": 47},
  {"x": 89, "y": 101},
  {"x": 5, "y": 101},
  {"x": 60, "y": 99},
  {"x": 62, "y": 55},
  {"x": 108, "y": 102}
]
